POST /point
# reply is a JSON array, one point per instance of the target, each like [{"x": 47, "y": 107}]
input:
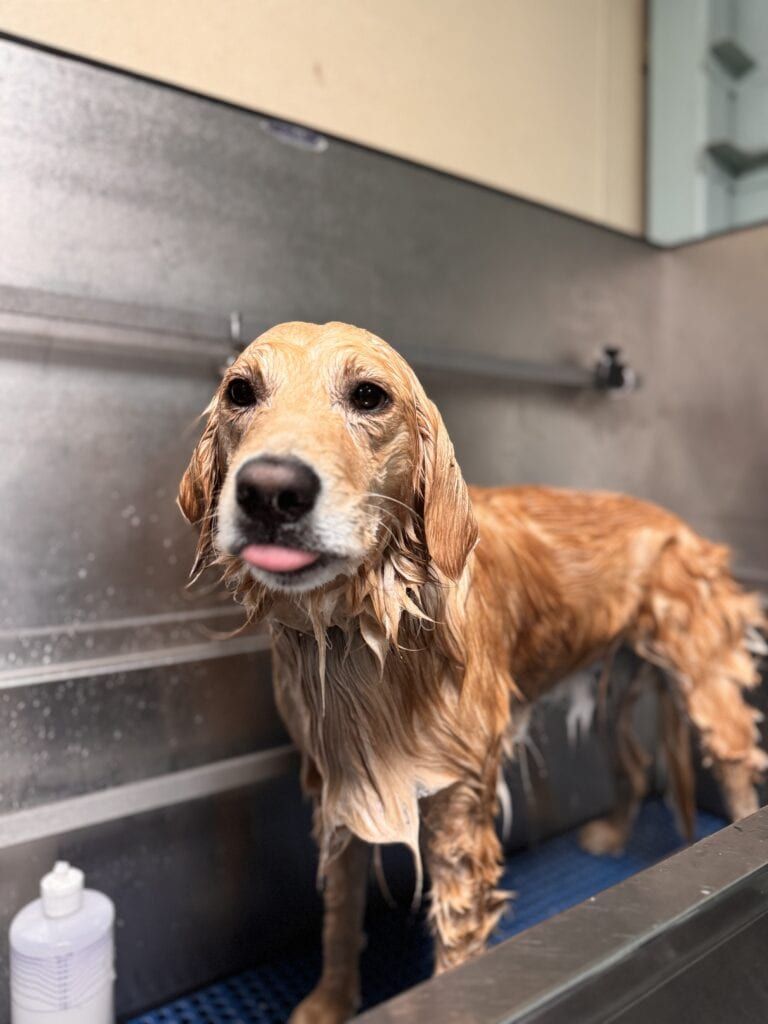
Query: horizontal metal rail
[
  {"x": 488, "y": 367},
  {"x": 132, "y": 661},
  {"x": 65, "y": 816},
  {"x": 78, "y": 335},
  {"x": 127, "y": 622},
  {"x": 109, "y": 339}
]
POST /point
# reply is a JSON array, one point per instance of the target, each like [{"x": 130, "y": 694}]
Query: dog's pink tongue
[{"x": 274, "y": 558}]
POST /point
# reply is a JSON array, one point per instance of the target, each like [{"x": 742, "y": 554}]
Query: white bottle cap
[{"x": 62, "y": 890}]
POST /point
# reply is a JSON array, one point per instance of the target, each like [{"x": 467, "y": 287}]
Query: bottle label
[{"x": 62, "y": 981}]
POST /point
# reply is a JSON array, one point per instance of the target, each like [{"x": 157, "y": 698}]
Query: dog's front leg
[
  {"x": 337, "y": 995},
  {"x": 464, "y": 860}
]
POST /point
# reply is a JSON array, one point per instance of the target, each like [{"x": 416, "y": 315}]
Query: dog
[{"x": 413, "y": 620}]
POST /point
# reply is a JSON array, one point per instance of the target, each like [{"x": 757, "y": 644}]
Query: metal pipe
[
  {"x": 609, "y": 374},
  {"x": 479, "y": 364}
]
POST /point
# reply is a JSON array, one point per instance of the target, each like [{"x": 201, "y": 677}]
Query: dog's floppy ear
[
  {"x": 200, "y": 486},
  {"x": 449, "y": 527}
]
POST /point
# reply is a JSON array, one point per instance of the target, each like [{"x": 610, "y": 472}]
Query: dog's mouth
[
  {"x": 288, "y": 560},
  {"x": 278, "y": 559}
]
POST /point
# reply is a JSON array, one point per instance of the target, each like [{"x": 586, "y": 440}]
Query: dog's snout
[{"x": 276, "y": 490}]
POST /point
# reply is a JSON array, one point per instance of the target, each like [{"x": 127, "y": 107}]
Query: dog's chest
[{"x": 372, "y": 748}]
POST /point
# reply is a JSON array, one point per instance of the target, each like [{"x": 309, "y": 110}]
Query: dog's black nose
[{"x": 274, "y": 491}]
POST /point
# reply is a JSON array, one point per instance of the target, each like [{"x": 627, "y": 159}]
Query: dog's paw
[
  {"x": 324, "y": 1006},
  {"x": 603, "y": 836}
]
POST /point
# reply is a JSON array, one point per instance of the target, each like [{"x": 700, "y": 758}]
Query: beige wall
[{"x": 541, "y": 98}]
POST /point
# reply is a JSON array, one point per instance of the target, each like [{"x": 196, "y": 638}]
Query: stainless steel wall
[{"x": 134, "y": 219}]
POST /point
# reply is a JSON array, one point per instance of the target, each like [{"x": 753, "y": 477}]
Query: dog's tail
[{"x": 703, "y": 629}]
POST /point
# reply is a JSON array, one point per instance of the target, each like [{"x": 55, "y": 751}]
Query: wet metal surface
[{"x": 77, "y": 736}]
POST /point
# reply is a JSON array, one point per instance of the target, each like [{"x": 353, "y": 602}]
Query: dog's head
[{"x": 320, "y": 447}]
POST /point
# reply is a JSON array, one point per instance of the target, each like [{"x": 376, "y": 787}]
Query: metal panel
[
  {"x": 75, "y": 736},
  {"x": 96, "y": 534}
]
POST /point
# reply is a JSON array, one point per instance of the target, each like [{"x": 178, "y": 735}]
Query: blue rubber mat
[{"x": 547, "y": 880}]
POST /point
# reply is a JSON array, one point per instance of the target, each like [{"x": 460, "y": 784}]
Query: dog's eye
[
  {"x": 240, "y": 392},
  {"x": 368, "y": 397}
]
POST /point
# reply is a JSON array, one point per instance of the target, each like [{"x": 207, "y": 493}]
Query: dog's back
[{"x": 580, "y": 569}]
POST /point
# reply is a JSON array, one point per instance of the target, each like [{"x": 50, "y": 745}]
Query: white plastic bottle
[{"x": 62, "y": 954}]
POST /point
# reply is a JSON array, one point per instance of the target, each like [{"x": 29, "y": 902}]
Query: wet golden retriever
[{"x": 414, "y": 618}]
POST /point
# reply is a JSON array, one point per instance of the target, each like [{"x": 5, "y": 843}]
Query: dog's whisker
[{"x": 396, "y": 501}]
